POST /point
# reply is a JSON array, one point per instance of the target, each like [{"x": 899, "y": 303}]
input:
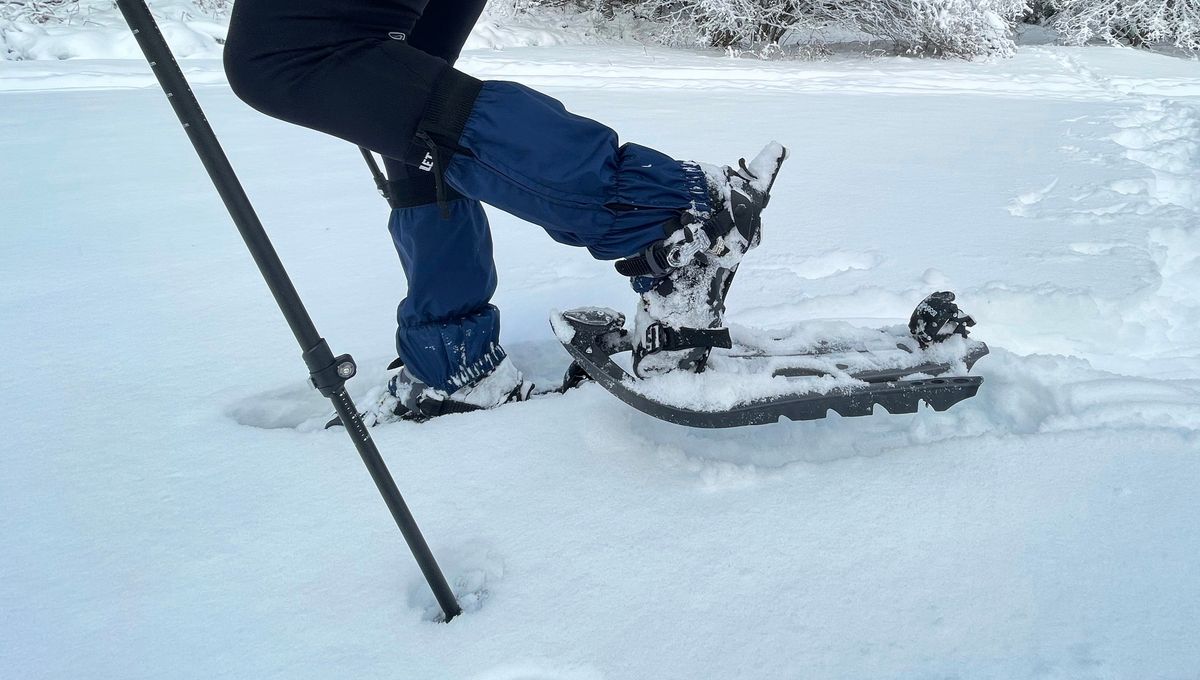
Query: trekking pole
[
  {"x": 381, "y": 182},
  {"x": 328, "y": 373}
]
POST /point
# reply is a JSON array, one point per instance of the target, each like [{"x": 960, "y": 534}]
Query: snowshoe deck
[{"x": 594, "y": 336}]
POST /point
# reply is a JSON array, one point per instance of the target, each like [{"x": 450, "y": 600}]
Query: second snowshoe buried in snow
[{"x": 406, "y": 398}]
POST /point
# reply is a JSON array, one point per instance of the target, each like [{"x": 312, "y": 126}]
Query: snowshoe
[{"x": 754, "y": 379}]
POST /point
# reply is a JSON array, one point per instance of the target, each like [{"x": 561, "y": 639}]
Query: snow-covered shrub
[
  {"x": 724, "y": 23},
  {"x": 60, "y": 29},
  {"x": 34, "y": 11},
  {"x": 1040, "y": 11},
  {"x": 214, "y": 8},
  {"x": 1136, "y": 22},
  {"x": 950, "y": 28},
  {"x": 94, "y": 29}
]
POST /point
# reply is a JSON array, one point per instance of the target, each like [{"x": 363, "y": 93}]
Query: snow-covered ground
[{"x": 167, "y": 509}]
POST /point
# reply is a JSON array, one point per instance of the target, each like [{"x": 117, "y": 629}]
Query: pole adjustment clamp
[{"x": 327, "y": 373}]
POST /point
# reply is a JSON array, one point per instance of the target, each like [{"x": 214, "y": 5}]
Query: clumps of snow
[
  {"x": 1156, "y": 147},
  {"x": 563, "y": 330},
  {"x": 832, "y": 350},
  {"x": 92, "y": 29},
  {"x": 491, "y": 389},
  {"x": 1164, "y": 136},
  {"x": 473, "y": 571},
  {"x": 1020, "y": 206}
]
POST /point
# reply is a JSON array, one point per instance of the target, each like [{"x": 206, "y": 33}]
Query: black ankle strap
[
  {"x": 654, "y": 259},
  {"x": 650, "y": 262},
  {"x": 662, "y": 338}
]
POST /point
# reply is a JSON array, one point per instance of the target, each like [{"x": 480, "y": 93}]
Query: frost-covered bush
[
  {"x": 37, "y": 11},
  {"x": 1040, "y": 11},
  {"x": 94, "y": 29},
  {"x": 1136, "y": 22},
  {"x": 724, "y": 23},
  {"x": 54, "y": 12},
  {"x": 950, "y": 28},
  {"x": 953, "y": 28},
  {"x": 60, "y": 29}
]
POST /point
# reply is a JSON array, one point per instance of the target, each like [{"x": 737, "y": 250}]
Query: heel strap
[
  {"x": 660, "y": 337},
  {"x": 686, "y": 237}
]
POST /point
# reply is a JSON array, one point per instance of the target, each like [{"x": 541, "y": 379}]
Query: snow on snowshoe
[{"x": 754, "y": 378}]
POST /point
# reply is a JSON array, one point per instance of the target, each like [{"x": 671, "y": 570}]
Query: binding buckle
[
  {"x": 682, "y": 253},
  {"x": 660, "y": 337}
]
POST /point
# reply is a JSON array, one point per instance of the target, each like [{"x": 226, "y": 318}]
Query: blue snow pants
[{"x": 379, "y": 73}]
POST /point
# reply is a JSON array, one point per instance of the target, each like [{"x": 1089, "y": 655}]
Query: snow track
[
  {"x": 1155, "y": 203},
  {"x": 1164, "y": 136},
  {"x": 169, "y": 506}
]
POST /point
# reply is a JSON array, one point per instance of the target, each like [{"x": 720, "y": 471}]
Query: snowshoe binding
[
  {"x": 938, "y": 318},
  {"x": 683, "y": 279}
]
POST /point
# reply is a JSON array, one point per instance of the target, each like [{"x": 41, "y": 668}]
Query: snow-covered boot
[
  {"x": 407, "y": 398},
  {"x": 683, "y": 279}
]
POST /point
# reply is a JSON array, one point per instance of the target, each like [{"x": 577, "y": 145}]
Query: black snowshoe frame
[{"x": 593, "y": 336}]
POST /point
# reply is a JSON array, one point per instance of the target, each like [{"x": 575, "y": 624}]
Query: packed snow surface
[{"x": 169, "y": 510}]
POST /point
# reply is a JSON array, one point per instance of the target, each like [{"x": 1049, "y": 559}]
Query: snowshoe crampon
[{"x": 798, "y": 376}]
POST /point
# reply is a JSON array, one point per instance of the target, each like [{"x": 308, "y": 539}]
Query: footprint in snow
[
  {"x": 473, "y": 571},
  {"x": 293, "y": 407}
]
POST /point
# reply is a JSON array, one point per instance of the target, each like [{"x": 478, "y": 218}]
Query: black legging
[
  {"x": 442, "y": 30},
  {"x": 349, "y": 69},
  {"x": 271, "y": 41}
]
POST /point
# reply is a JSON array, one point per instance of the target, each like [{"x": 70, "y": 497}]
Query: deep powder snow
[{"x": 168, "y": 507}]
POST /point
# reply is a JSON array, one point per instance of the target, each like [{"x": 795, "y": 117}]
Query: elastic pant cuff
[
  {"x": 450, "y": 104},
  {"x": 446, "y": 112},
  {"x": 451, "y": 353}
]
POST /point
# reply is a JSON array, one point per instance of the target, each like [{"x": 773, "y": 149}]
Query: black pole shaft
[
  {"x": 328, "y": 372},
  {"x": 381, "y": 182}
]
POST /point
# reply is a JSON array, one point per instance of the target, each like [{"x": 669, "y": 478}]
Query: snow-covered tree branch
[{"x": 1135, "y": 22}]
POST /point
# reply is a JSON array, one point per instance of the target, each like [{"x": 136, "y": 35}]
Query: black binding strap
[
  {"x": 662, "y": 338},
  {"x": 650, "y": 262},
  {"x": 432, "y": 408}
]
